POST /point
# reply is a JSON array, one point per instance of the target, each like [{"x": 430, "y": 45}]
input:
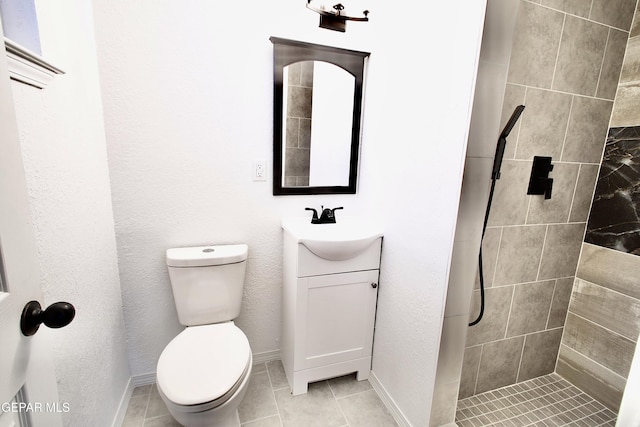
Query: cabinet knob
[{"x": 374, "y": 285}]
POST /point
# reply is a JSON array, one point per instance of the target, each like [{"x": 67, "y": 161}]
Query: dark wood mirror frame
[{"x": 286, "y": 52}]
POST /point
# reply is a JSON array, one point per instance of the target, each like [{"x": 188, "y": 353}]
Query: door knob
[{"x": 57, "y": 315}]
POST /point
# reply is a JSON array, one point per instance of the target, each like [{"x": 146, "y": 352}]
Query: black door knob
[{"x": 57, "y": 315}]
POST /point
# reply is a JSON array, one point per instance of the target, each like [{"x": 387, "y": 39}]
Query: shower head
[{"x": 512, "y": 121}]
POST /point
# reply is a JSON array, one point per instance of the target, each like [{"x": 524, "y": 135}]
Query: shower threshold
[{"x": 546, "y": 401}]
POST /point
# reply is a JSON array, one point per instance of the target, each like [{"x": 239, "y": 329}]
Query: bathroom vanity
[{"x": 330, "y": 290}]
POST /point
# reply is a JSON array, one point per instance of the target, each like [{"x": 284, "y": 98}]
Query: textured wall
[
  {"x": 62, "y": 137},
  {"x": 564, "y": 68},
  {"x": 188, "y": 107}
]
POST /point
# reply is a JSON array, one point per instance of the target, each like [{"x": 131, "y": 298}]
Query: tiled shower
[{"x": 541, "y": 316}]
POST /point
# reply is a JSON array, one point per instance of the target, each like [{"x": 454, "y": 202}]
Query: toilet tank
[{"x": 207, "y": 282}]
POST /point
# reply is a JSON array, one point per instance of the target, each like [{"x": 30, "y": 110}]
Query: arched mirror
[{"x": 317, "y": 116}]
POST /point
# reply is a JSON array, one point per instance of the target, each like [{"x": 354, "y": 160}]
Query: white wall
[
  {"x": 63, "y": 145},
  {"x": 187, "y": 94}
]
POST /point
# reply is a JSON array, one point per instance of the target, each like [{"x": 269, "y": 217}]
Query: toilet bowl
[{"x": 203, "y": 374}]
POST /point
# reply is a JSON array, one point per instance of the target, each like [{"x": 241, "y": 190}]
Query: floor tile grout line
[
  {"x": 273, "y": 393},
  {"x": 338, "y": 403}
]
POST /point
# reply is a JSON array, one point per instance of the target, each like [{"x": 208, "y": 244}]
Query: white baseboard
[
  {"x": 388, "y": 401},
  {"x": 267, "y": 356},
  {"x": 124, "y": 404},
  {"x": 144, "y": 379}
]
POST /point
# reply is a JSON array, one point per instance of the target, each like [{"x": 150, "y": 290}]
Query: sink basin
[{"x": 343, "y": 240}]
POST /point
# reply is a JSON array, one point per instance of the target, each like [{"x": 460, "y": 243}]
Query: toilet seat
[{"x": 203, "y": 366}]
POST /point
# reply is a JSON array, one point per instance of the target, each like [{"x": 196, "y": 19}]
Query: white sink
[{"x": 345, "y": 239}]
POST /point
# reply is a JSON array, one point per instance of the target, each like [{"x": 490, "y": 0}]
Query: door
[{"x": 24, "y": 364}]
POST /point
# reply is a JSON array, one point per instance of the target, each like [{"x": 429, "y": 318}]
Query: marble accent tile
[
  {"x": 544, "y": 124},
  {"x": 535, "y": 46},
  {"x": 595, "y": 267},
  {"x": 259, "y": 401},
  {"x": 602, "y": 383},
  {"x": 510, "y": 200},
  {"x": 587, "y": 130},
  {"x": 583, "y": 195},
  {"x": 530, "y": 307},
  {"x": 625, "y": 108},
  {"x": 539, "y": 354},
  {"x": 618, "y": 190},
  {"x": 499, "y": 364},
  {"x": 613, "y": 57},
  {"x": 367, "y": 410},
  {"x": 617, "y": 13},
  {"x": 561, "y": 251},
  {"x": 631, "y": 65},
  {"x": 610, "y": 309},
  {"x": 556, "y": 209},
  {"x": 580, "y": 56},
  {"x": 496, "y": 314},
  {"x": 560, "y": 302},
  {"x": 316, "y": 408},
  {"x": 469, "y": 374},
  {"x": 611, "y": 350},
  {"x": 519, "y": 254}
]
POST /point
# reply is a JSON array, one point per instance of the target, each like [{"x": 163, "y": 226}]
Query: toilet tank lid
[{"x": 202, "y": 256}]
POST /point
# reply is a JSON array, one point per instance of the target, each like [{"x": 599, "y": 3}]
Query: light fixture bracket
[{"x": 336, "y": 19}]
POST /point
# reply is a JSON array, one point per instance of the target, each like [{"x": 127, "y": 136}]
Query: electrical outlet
[{"x": 259, "y": 170}]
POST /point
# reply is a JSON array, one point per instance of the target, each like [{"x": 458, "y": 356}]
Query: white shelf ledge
[{"x": 28, "y": 67}]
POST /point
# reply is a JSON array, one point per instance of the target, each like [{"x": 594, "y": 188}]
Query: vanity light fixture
[{"x": 335, "y": 17}]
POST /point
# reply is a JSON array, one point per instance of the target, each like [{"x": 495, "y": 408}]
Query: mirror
[{"x": 317, "y": 115}]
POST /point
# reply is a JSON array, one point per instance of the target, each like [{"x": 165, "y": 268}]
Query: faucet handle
[
  {"x": 335, "y": 209},
  {"x": 315, "y": 214}
]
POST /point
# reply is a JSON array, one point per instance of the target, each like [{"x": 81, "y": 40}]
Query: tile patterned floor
[
  {"x": 547, "y": 401},
  {"x": 339, "y": 402}
]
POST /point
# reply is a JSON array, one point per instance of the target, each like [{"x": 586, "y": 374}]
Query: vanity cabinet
[{"x": 329, "y": 309}]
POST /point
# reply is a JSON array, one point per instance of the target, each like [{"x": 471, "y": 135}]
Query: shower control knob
[
  {"x": 57, "y": 315},
  {"x": 374, "y": 285}
]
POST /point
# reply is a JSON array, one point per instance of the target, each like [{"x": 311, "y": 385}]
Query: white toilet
[{"x": 203, "y": 373}]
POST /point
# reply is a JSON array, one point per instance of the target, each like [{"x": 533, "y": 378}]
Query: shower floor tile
[{"x": 547, "y": 401}]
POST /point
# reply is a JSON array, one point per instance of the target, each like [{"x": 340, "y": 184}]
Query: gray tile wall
[
  {"x": 603, "y": 321},
  {"x": 564, "y": 68},
  {"x": 298, "y": 136}
]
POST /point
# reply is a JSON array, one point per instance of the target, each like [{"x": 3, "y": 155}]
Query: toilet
[{"x": 203, "y": 373}]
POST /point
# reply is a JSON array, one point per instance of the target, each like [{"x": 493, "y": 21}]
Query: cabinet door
[{"x": 335, "y": 318}]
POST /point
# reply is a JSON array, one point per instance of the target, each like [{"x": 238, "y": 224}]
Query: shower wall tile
[
  {"x": 499, "y": 364},
  {"x": 596, "y": 267},
  {"x": 560, "y": 302},
  {"x": 539, "y": 354},
  {"x": 631, "y": 65},
  {"x": 609, "y": 349},
  {"x": 519, "y": 254},
  {"x": 535, "y": 45},
  {"x": 616, "y": 13},
  {"x": 612, "y": 310},
  {"x": 574, "y": 7},
  {"x": 613, "y": 57},
  {"x": 561, "y": 251},
  {"x": 490, "y": 245},
  {"x": 469, "y": 371},
  {"x": 618, "y": 190},
  {"x": 584, "y": 193},
  {"x": 544, "y": 124},
  {"x": 602, "y": 383},
  {"x": 496, "y": 314},
  {"x": 587, "y": 130},
  {"x": 510, "y": 200},
  {"x": 580, "y": 56},
  {"x": 635, "y": 26},
  {"x": 556, "y": 209},
  {"x": 530, "y": 307},
  {"x": 625, "y": 108}
]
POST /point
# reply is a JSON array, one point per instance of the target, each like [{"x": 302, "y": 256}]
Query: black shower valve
[{"x": 539, "y": 181}]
